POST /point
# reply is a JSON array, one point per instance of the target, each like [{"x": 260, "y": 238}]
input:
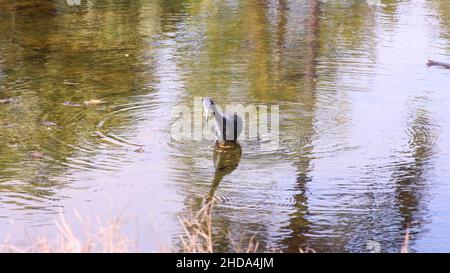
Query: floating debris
[
  {"x": 36, "y": 155},
  {"x": 5, "y": 101},
  {"x": 140, "y": 150},
  {"x": 434, "y": 63},
  {"x": 94, "y": 102},
  {"x": 7, "y": 125},
  {"x": 67, "y": 82},
  {"x": 48, "y": 123},
  {"x": 13, "y": 146},
  {"x": 71, "y": 104}
]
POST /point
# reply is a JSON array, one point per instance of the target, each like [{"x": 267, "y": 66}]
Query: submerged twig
[{"x": 434, "y": 63}]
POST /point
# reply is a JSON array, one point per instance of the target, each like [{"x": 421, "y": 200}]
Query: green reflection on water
[{"x": 307, "y": 56}]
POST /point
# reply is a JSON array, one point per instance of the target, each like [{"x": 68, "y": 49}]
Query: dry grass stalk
[
  {"x": 198, "y": 237},
  {"x": 252, "y": 246},
  {"x": 306, "y": 250},
  {"x": 405, "y": 246},
  {"x": 198, "y": 231}
]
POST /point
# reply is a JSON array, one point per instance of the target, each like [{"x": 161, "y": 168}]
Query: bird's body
[
  {"x": 227, "y": 126},
  {"x": 228, "y": 151},
  {"x": 231, "y": 129}
]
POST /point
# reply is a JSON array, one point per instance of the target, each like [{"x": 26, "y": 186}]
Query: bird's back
[{"x": 232, "y": 127}]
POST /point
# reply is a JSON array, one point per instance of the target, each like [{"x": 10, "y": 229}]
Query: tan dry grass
[
  {"x": 103, "y": 238},
  {"x": 108, "y": 238},
  {"x": 198, "y": 236},
  {"x": 405, "y": 246}
]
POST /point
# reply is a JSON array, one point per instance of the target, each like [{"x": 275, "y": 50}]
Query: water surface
[{"x": 364, "y": 123}]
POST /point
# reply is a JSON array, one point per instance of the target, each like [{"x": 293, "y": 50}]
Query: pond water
[{"x": 363, "y": 154}]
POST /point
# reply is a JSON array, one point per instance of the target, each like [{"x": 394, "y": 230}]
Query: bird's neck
[{"x": 218, "y": 116}]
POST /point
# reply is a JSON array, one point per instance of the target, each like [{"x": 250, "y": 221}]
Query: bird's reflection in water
[{"x": 226, "y": 158}]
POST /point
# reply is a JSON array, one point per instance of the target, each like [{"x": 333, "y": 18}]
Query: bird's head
[{"x": 208, "y": 106}]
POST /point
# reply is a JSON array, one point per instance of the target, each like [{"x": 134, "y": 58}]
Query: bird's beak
[{"x": 206, "y": 115}]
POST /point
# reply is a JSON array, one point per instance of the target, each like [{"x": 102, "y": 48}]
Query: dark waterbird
[{"x": 227, "y": 126}]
